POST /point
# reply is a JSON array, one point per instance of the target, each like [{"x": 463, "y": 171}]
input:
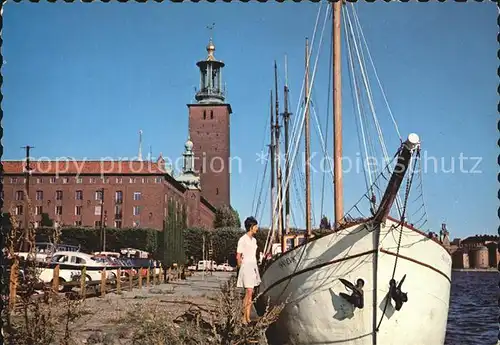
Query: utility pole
[
  {"x": 103, "y": 229},
  {"x": 27, "y": 174}
]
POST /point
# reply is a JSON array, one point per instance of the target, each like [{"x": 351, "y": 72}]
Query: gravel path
[{"x": 109, "y": 320}]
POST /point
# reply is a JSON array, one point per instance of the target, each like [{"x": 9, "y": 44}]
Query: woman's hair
[{"x": 249, "y": 222}]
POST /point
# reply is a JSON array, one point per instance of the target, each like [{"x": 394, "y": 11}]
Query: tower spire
[
  {"x": 139, "y": 156},
  {"x": 211, "y": 89}
]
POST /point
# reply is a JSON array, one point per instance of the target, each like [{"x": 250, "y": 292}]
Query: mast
[
  {"x": 404, "y": 158},
  {"x": 286, "y": 119},
  {"x": 278, "y": 162},
  {"x": 337, "y": 115},
  {"x": 307, "y": 146},
  {"x": 271, "y": 152}
]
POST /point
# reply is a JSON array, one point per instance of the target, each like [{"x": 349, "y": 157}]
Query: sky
[{"x": 81, "y": 80}]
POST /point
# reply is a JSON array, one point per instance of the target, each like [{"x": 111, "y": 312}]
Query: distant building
[
  {"x": 477, "y": 252},
  {"x": 136, "y": 192}
]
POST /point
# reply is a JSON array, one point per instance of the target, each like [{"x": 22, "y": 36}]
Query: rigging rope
[
  {"x": 355, "y": 89},
  {"x": 356, "y": 19},
  {"x": 327, "y": 115},
  {"x": 303, "y": 118},
  {"x": 372, "y": 107}
]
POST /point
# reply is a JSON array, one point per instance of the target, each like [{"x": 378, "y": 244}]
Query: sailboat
[{"x": 375, "y": 279}]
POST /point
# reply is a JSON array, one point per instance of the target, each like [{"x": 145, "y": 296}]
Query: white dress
[{"x": 248, "y": 275}]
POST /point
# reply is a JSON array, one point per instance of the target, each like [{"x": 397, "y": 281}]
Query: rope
[
  {"x": 401, "y": 223},
  {"x": 368, "y": 179},
  {"x": 370, "y": 101},
  {"x": 302, "y": 122},
  {"x": 326, "y": 126},
  {"x": 356, "y": 19}
]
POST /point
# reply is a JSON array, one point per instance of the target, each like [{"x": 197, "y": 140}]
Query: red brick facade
[
  {"x": 135, "y": 193},
  {"x": 209, "y": 128}
]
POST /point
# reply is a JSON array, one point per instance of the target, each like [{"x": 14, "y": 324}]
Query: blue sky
[{"x": 80, "y": 80}]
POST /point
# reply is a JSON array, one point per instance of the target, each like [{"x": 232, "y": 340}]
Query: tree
[
  {"x": 325, "y": 224},
  {"x": 46, "y": 221},
  {"x": 226, "y": 217}
]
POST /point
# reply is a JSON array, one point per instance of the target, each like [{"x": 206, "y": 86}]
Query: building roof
[{"x": 74, "y": 167}]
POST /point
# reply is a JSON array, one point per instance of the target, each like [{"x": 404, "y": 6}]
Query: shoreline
[{"x": 492, "y": 269}]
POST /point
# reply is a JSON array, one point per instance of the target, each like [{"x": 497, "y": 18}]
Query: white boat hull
[{"x": 308, "y": 277}]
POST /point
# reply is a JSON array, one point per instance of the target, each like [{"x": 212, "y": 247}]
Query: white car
[
  {"x": 77, "y": 260},
  {"x": 225, "y": 267}
]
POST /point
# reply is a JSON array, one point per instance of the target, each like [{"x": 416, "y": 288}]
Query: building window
[
  {"x": 204, "y": 114},
  {"x": 118, "y": 211},
  {"x": 97, "y": 223},
  {"x": 105, "y": 180},
  {"x": 36, "y": 225},
  {"x": 137, "y": 196},
  {"x": 39, "y": 180},
  {"x": 19, "y": 210},
  {"x": 52, "y": 180},
  {"x": 136, "y": 224},
  {"x": 65, "y": 180},
  {"x": 137, "y": 210},
  {"x": 38, "y": 210},
  {"x": 158, "y": 180},
  {"x": 79, "y": 180},
  {"x": 92, "y": 180},
  {"x": 13, "y": 180},
  {"x": 39, "y": 195},
  {"x": 97, "y": 210},
  {"x": 119, "y": 180},
  {"x": 98, "y": 195},
  {"x": 132, "y": 180},
  {"x": 119, "y": 197},
  {"x": 216, "y": 191},
  {"x": 143, "y": 180},
  {"x": 78, "y": 210},
  {"x": 20, "y": 195},
  {"x": 59, "y": 195},
  {"x": 118, "y": 224},
  {"x": 79, "y": 195},
  {"x": 211, "y": 114},
  {"x": 78, "y": 223},
  {"x": 59, "y": 210}
]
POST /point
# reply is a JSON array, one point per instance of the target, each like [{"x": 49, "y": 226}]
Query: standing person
[{"x": 246, "y": 256}]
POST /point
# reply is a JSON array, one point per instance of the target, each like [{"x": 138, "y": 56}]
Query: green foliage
[
  {"x": 226, "y": 217},
  {"x": 46, "y": 221},
  {"x": 173, "y": 236},
  {"x": 224, "y": 242},
  {"x": 89, "y": 239}
]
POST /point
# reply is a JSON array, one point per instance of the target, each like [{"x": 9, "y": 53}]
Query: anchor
[
  {"x": 397, "y": 295},
  {"x": 356, "y": 298}
]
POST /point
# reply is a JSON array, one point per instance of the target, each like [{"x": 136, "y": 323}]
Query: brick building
[{"x": 136, "y": 193}]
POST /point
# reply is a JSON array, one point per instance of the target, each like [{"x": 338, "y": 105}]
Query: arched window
[
  {"x": 211, "y": 114},
  {"x": 204, "y": 114}
]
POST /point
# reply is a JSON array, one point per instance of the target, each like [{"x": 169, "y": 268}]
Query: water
[{"x": 473, "y": 315}]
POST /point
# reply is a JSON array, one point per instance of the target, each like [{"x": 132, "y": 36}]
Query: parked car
[
  {"x": 77, "y": 260},
  {"x": 225, "y": 267}
]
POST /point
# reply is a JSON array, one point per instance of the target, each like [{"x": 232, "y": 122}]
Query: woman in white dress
[{"x": 246, "y": 256}]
